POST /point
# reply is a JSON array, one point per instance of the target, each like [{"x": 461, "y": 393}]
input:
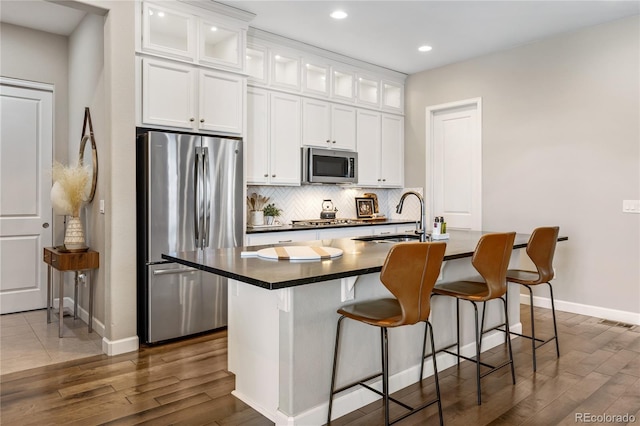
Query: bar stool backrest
[
  {"x": 541, "y": 248},
  {"x": 491, "y": 259},
  {"x": 409, "y": 273}
]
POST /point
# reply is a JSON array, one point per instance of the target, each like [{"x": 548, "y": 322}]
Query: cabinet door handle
[
  {"x": 266, "y": 175},
  {"x": 384, "y": 180},
  {"x": 285, "y": 241},
  {"x": 45, "y": 225},
  {"x": 202, "y": 120},
  {"x": 334, "y": 142},
  {"x": 379, "y": 180},
  {"x": 328, "y": 141},
  {"x": 192, "y": 119},
  {"x": 273, "y": 175}
]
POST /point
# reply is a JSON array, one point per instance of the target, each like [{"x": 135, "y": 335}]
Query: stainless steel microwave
[{"x": 329, "y": 166}]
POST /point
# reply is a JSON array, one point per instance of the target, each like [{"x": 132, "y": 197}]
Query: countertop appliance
[
  {"x": 328, "y": 211},
  {"x": 189, "y": 198},
  {"x": 329, "y": 166}
]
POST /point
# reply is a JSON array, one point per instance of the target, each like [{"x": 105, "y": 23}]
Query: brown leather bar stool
[
  {"x": 491, "y": 260},
  {"x": 540, "y": 249},
  {"x": 409, "y": 273}
]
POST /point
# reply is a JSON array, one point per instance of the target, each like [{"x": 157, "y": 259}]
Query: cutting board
[{"x": 297, "y": 253}]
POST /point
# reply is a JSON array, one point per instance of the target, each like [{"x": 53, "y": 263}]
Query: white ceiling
[
  {"x": 386, "y": 33},
  {"x": 41, "y": 15}
]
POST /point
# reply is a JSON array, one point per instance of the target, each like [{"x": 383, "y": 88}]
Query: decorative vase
[
  {"x": 269, "y": 219},
  {"x": 257, "y": 217},
  {"x": 74, "y": 235}
]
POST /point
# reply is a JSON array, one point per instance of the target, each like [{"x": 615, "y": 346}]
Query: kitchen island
[{"x": 282, "y": 319}]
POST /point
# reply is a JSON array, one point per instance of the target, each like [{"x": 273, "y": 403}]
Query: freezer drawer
[{"x": 184, "y": 301}]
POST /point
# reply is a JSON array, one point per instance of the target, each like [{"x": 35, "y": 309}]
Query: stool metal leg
[
  {"x": 506, "y": 321},
  {"x": 555, "y": 327},
  {"x": 385, "y": 373},
  {"x": 477, "y": 330},
  {"x": 435, "y": 369},
  {"x": 458, "y": 328},
  {"x": 334, "y": 369},
  {"x": 60, "y": 304},
  {"x": 90, "y": 278},
  {"x": 75, "y": 296},
  {"x": 49, "y": 293}
]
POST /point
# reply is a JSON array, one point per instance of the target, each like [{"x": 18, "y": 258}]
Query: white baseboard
[
  {"x": 578, "y": 308},
  {"x": 121, "y": 346},
  {"x": 360, "y": 397}
]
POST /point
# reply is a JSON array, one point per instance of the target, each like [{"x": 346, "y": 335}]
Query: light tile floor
[{"x": 27, "y": 341}]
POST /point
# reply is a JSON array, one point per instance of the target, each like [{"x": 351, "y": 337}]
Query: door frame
[{"x": 429, "y": 186}]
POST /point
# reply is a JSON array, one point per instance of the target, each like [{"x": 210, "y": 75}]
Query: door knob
[{"x": 45, "y": 225}]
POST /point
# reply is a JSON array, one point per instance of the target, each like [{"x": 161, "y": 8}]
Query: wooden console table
[{"x": 66, "y": 261}]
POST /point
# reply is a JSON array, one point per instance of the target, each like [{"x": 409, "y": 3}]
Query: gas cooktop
[{"x": 325, "y": 222}]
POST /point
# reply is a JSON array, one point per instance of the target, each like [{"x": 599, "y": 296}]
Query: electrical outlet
[
  {"x": 630, "y": 206},
  {"x": 102, "y": 206}
]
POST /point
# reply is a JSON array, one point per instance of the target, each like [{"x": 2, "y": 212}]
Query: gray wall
[{"x": 561, "y": 138}]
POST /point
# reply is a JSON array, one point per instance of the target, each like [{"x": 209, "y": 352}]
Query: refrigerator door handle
[
  {"x": 173, "y": 271},
  {"x": 207, "y": 198},
  {"x": 196, "y": 199}
]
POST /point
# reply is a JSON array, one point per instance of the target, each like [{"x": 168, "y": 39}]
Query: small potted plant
[{"x": 271, "y": 212}]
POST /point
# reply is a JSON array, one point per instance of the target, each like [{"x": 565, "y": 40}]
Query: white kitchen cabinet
[
  {"x": 392, "y": 151},
  {"x": 368, "y": 91},
  {"x": 285, "y": 70},
  {"x": 328, "y": 125},
  {"x": 315, "y": 78},
  {"x": 168, "y": 94},
  {"x": 257, "y": 64},
  {"x": 392, "y": 96},
  {"x": 221, "y": 102},
  {"x": 273, "y": 138},
  {"x": 335, "y": 233},
  {"x": 168, "y": 32},
  {"x": 280, "y": 237},
  {"x": 343, "y": 85},
  {"x": 380, "y": 145},
  {"x": 185, "y": 97},
  {"x": 220, "y": 44}
]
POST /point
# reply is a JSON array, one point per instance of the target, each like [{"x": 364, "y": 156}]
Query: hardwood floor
[{"x": 187, "y": 383}]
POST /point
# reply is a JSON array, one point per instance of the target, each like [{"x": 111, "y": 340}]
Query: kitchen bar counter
[
  {"x": 354, "y": 223},
  {"x": 282, "y": 322},
  {"x": 359, "y": 258}
]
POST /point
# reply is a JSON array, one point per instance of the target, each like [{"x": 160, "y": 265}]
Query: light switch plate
[
  {"x": 631, "y": 206},
  {"x": 102, "y": 206}
]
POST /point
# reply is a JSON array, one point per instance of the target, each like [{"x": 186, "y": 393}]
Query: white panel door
[
  {"x": 392, "y": 151},
  {"x": 456, "y": 166},
  {"x": 257, "y": 149},
  {"x": 168, "y": 94},
  {"x": 343, "y": 127},
  {"x": 285, "y": 139},
  {"x": 368, "y": 144},
  {"x": 221, "y": 106},
  {"x": 26, "y": 135},
  {"x": 316, "y": 125}
]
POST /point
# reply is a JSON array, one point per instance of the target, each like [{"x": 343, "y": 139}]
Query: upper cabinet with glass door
[
  {"x": 257, "y": 60},
  {"x": 220, "y": 45},
  {"x": 316, "y": 78},
  {"x": 392, "y": 96},
  {"x": 368, "y": 90},
  {"x": 168, "y": 32},
  {"x": 343, "y": 86},
  {"x": 285, "y": 70}
]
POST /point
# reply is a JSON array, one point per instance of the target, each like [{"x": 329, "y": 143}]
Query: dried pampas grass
[{"x": 70, "y": 181}]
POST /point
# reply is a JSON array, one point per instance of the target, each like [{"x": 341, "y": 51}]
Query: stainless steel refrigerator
[{"x": 189, "y": 198}]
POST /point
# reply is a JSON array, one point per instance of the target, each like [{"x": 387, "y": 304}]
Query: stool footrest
[
  {"x": 542, "y": 341},
  {"x": 469, "y": 359}
]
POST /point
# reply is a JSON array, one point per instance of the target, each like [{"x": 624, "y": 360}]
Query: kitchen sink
[{"x": 389, "y": 238}]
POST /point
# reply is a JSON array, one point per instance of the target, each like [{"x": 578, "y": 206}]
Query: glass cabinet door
[
  {"x": 316, "y": 78},
  {"x": 167, "y": 32},
  {"x": 285, "y": 71},
  {"x": 219, "y": 45},
  {"x": 392, "y": 96},
  {"x": 343, "y": 85},
  {"x": 368, "y": 91},
  {"x": 257, "y": 63}
]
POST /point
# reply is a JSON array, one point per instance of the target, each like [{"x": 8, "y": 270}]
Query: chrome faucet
[{"x": 423, "y": 220}]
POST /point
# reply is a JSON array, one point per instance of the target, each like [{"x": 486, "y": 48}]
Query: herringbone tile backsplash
[{"x": 305, "y": 202}]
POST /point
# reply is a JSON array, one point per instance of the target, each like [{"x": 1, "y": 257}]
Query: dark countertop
[
  {"x": 359, "y": 258},
  {"x": 360, "y": 223}
]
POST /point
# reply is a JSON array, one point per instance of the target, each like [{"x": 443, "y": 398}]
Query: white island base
[{"x": 281, "y": 343}]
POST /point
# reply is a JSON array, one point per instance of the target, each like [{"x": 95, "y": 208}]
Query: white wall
[
  {"x": 86, "y": 89},
  {"x": 561, "y": 146},
  {"x": 39, "y": 56}
]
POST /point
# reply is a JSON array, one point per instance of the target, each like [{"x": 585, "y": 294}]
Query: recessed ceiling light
[
  {"x": 161, "y": 14},
  {"x": 339, "y": 14},
  {"x": 214, "y": 28},
  {"x": 425, "y": 48}
]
